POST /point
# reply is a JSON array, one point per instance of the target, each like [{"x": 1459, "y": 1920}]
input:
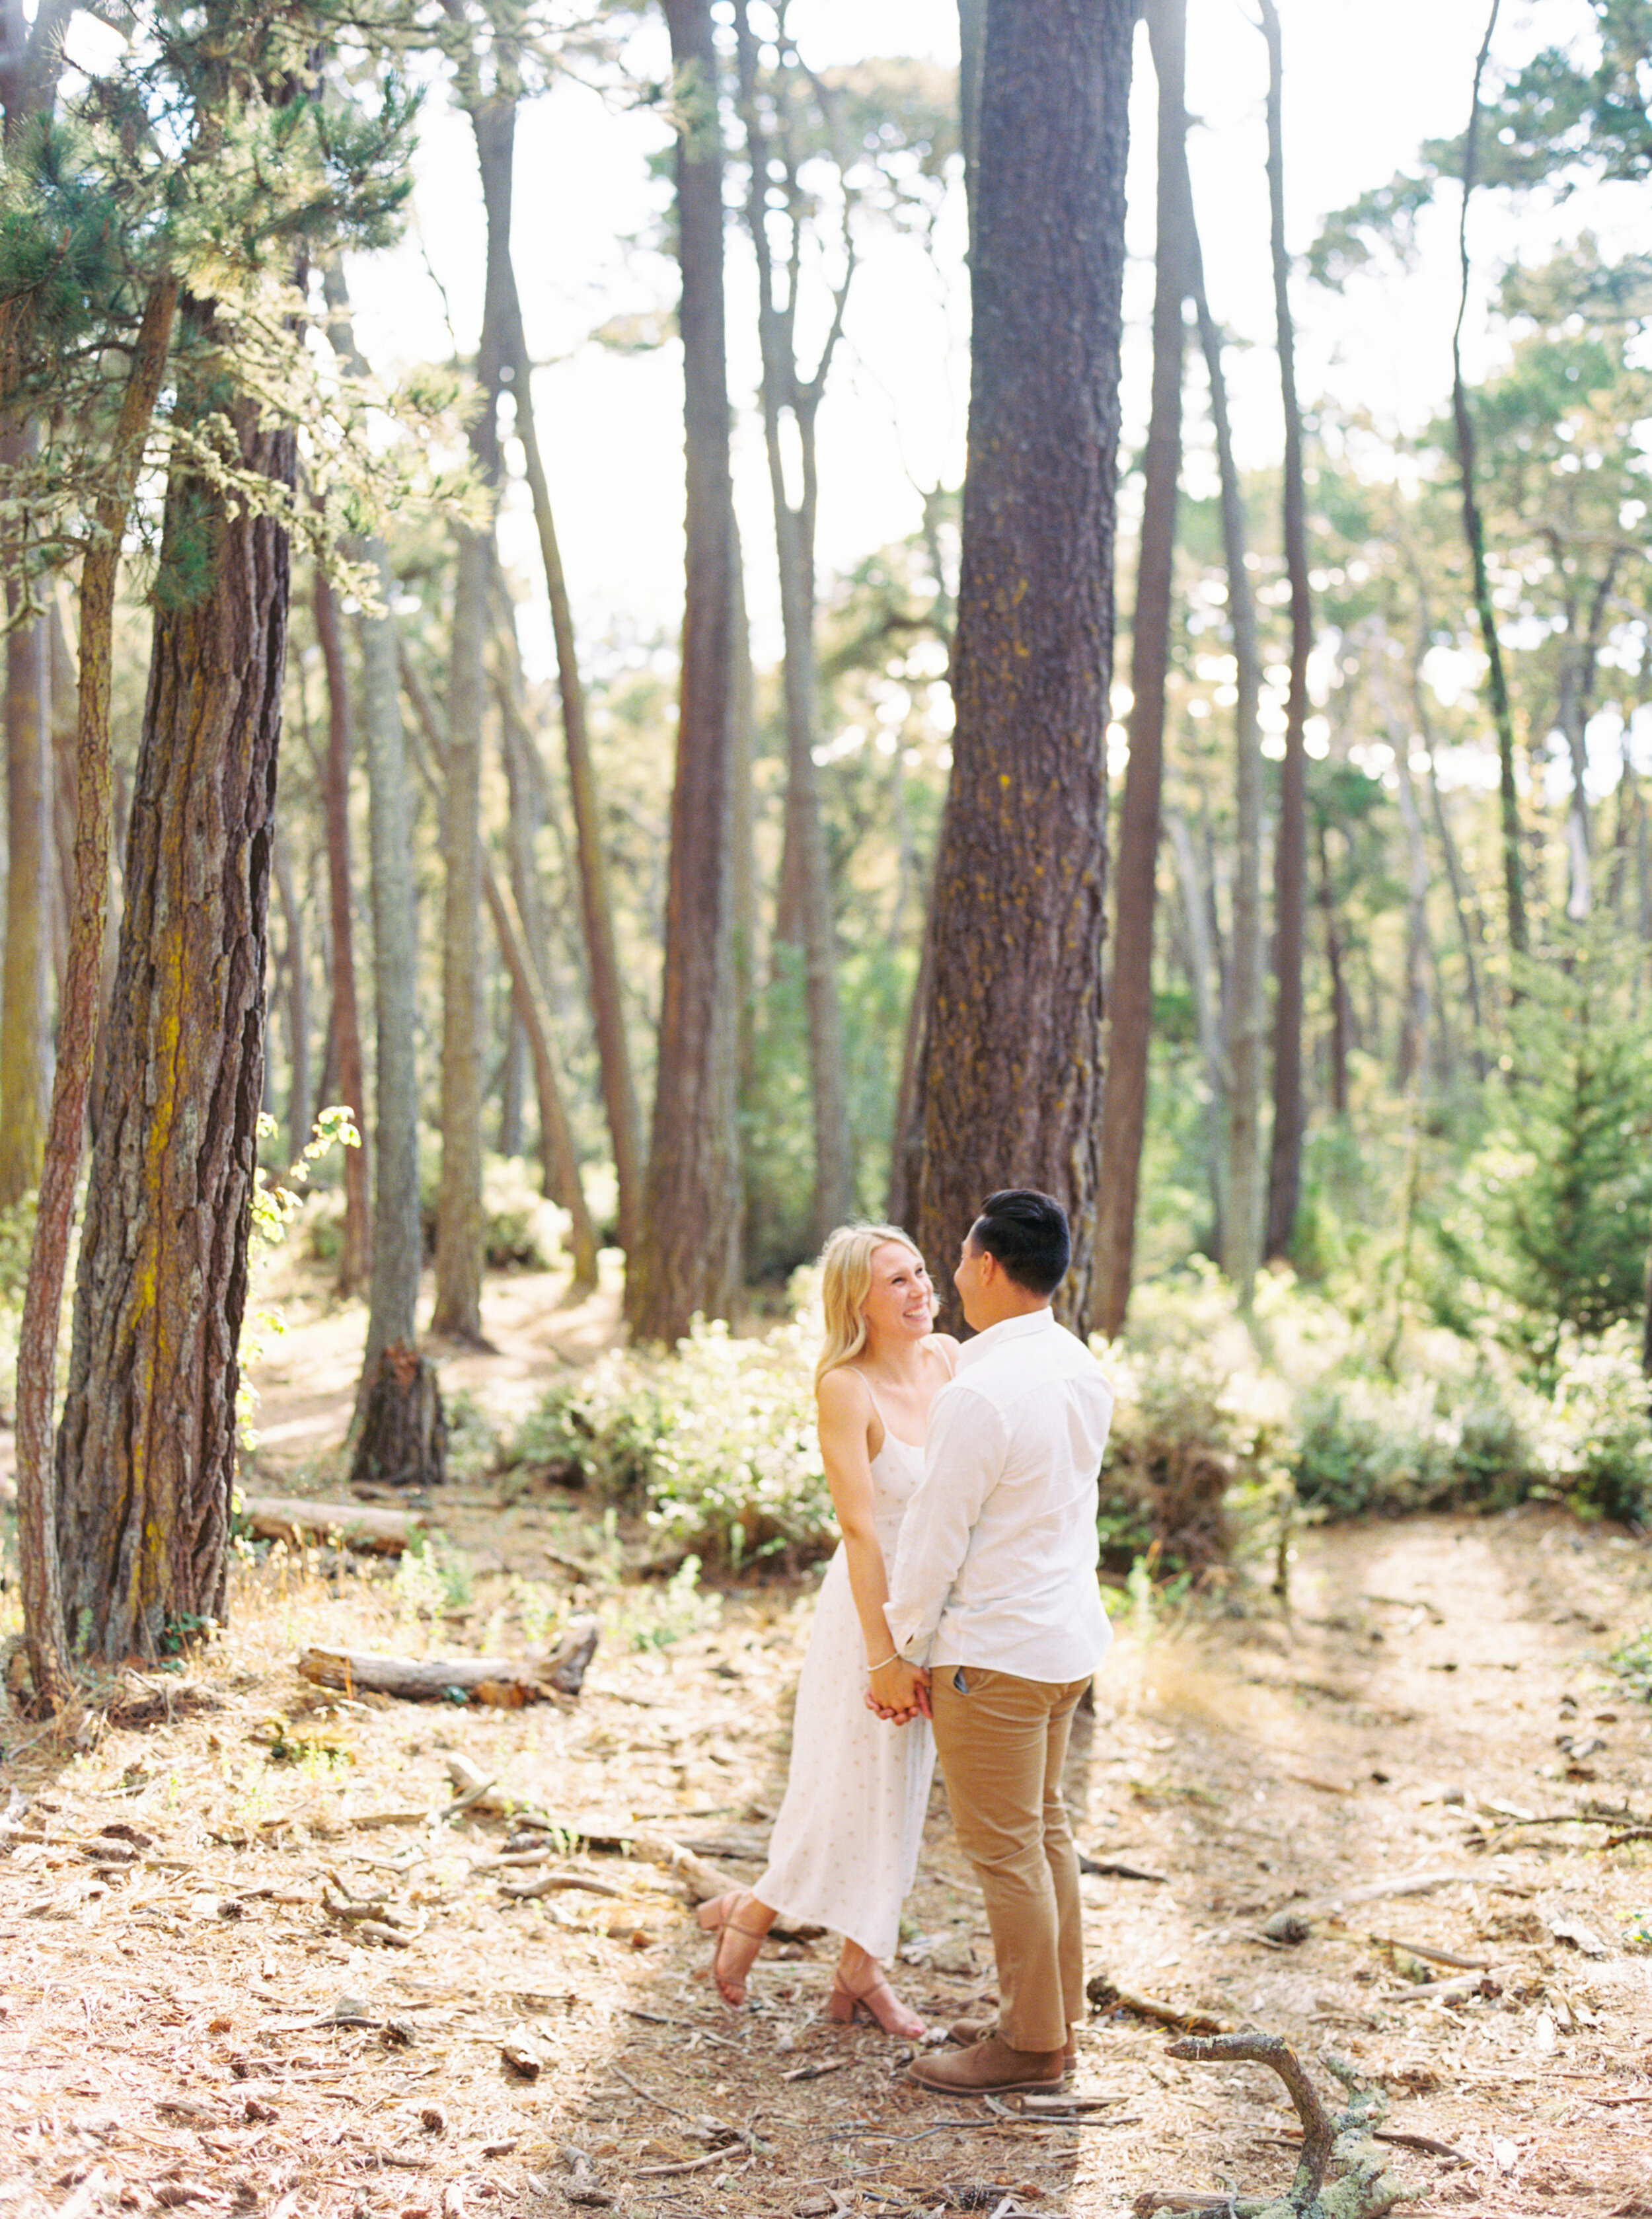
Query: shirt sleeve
[{"x": 963, "y": 1458}]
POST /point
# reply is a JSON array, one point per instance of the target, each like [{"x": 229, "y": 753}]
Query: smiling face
[{"x": 900, "y": 1303}]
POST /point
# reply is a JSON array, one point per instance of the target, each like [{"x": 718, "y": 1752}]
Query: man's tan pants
[{"x": 1002, "y": 1742}]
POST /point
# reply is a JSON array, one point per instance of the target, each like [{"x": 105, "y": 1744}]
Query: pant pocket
[{"x": 959, "y": 1682}]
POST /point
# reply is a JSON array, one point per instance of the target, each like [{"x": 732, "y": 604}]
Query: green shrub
[{"x": 716, "y": 1440}]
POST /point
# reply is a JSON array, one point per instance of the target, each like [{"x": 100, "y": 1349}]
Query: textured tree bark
[
  {"x": 810, "y": 915},
  {"x": 1474, "y": 532},
  {"x": 356, "y": 1251},
  {"x": 38, "y": 1544},
  {"x": 146, "y": 1446},
  {"x": 688, "y": 1256},
  {"x": 1290, "y": 839},
  {"x": 1124, "y": 1101},
  {"x": 1010, "y": 1080},
  {"x": 25, "y": 1003}
]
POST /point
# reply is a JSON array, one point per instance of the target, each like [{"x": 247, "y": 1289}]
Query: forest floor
[{"x": 1409, "y": 1755}]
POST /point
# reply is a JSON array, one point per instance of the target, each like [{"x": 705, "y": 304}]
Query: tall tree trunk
[
  {"x": 1464, "y": 903},
  {"x": 786, "y": 391},
  {"x": 689, "y": 1251},
  {"x": 1290, "y": 840},
  {"x": 30, "y": 63},
  {"x": 1124, "y": 1101},
  {"x": 399, "y": 1429},
  {"x": 298, "y": 1002},
  {"x": 1341, "y": 1010},
  {"x": 1197, "y": 909},
  {"x": 25, "y": 985},
  {"x": 356, "y": 1250},
  {"x": 1411, "y": 1053},
  {"x": 528, "y": 1001},
  {"x": 147, "y": 1447},
  {"x": 1010, "y": 1079},
  {"x": 596, "y": 899},
  {"x": 39, "y": 1553},
  {"x": 457, "y": 1312},
  {"x": 458, "y": 1207},
  {"x": 972, "y": 49},
  {"x": 742, "y": 863},
  {"x": 1242, "y": 1209},
  {"x": 1474, "y": 532}
]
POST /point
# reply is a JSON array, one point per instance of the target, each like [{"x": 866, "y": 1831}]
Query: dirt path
[{"x": 171, "y": 2028}]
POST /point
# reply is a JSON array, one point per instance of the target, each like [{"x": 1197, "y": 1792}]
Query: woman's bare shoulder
[
  {"x": 843, "y": 1393},
  {"x": 947, "y": 1349}
]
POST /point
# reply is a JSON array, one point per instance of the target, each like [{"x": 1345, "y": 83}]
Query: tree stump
[{"x": 403, "y": 1441}]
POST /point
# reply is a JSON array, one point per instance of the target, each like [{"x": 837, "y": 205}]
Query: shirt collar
[{"x": 1009, "y": 1328}]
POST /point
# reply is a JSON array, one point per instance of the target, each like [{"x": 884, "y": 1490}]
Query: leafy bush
[
  {"x": 1367, "y": 1443},
  {"x": 717, "y": 1439}
]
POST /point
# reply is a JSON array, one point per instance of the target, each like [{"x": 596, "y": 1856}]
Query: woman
[{"x": 845, "y": 1846}]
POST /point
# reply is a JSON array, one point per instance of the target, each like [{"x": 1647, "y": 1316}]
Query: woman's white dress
[{"x": 845, "y": 1847}]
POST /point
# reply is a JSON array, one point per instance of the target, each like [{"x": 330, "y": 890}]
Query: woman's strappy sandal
[
  {"x": 879, "y": 2002},
  {"x": 719, "y": 1917}
]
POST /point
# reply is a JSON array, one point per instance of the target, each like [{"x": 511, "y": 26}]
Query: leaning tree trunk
[
  {"x": 1290, "y": 841},
  {"x": 689, "y": 1251},
  {"x": 147, "y": 1447},
  {"x": 1124, "y": 1104},
  {"x": 355, "y": 1253},
  {"x": 1010, "y": 1081}
]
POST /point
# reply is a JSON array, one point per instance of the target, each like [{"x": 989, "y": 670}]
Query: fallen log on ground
[
  {"x": 274, "y": 1518},
  {"x": 505, "y": 1683}
]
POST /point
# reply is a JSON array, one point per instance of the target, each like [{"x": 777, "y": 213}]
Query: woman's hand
[{"x": 898, "y": 1692}]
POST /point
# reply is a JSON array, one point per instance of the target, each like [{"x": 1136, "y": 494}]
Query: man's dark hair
[{"x": 1027, "y": 1234}]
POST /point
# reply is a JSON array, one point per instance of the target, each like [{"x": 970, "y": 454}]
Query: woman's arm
[{"x": 844, "y": 1408}]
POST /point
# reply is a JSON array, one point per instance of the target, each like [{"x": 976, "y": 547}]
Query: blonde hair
[{"x": 845, "y": 1282}]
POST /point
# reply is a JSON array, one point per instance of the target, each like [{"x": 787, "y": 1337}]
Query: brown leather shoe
[
  {"x": 987, "y": 2067},
  {"x": 964, "y": 2031}
]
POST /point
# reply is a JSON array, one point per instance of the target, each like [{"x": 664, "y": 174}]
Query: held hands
[{"x": 898, "y": 1692}]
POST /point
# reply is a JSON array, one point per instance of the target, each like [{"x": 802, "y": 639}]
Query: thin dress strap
[{"x": 890, "y": 1434}]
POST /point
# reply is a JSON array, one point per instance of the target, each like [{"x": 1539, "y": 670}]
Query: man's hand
[{"x": 898, "y": 1692}]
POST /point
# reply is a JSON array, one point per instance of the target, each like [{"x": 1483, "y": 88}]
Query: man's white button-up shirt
[{"x": 997, "y": 1562}]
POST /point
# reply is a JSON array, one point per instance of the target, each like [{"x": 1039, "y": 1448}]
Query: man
[{"x": 994, "y": 1591}]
